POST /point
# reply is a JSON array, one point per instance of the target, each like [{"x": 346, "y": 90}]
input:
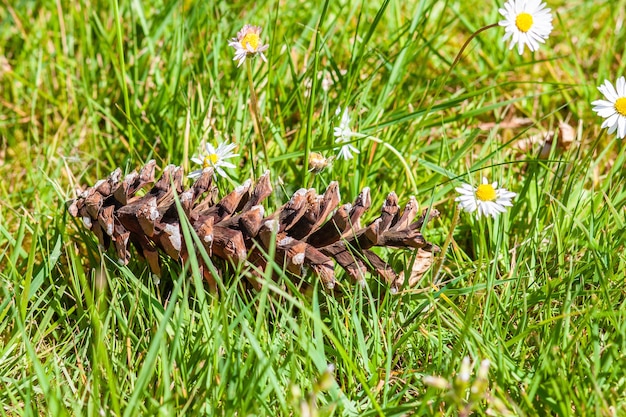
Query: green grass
[{"x": 92, "y": 85}]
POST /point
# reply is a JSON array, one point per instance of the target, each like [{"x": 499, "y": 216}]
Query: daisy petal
[
  {"x": 485, "y": 200},
  {"x": 613, "y": 108},
  {"x": 527, "y": 23}
]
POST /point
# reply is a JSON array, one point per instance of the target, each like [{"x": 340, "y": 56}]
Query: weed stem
[{"x": 256, "y": 118}]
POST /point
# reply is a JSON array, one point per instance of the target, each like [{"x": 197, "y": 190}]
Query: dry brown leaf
[
  {"x": 423, "y": 261},
  {"x": 513, "y": 123},
  {"x": 541, "y": 142},
  {"x": 567, "y": 135}
]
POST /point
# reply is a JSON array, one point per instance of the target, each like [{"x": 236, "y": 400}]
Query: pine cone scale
[{"x": 309, "y": 231}]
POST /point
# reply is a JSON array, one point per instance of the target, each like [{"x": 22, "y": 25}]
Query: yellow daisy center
[
  {"x": 485, "y": 192},
  {"x": 210, "y": 160},
  {"x": 524, "y": 21},
  {"x": 620, "y": 105},
  {"x": 251, "y": 39}
]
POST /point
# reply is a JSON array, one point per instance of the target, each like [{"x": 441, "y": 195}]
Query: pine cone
[{"x": 236, "y": 229}]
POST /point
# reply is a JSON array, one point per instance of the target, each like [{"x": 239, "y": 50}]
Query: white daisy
[
  {"x": 318, "y": 162},
  {"x": 211, "y": 157},
  {"x": 343, "y": 134},
  {"x": 613, "y": 109},
  {"x": 526, "y": 22},
  {"x": 487, "y": 198},
  {"x": 248, "y": 43}
]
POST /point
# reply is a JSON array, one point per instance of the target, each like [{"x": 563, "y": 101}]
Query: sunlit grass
[{"x": 539, "y": 291}]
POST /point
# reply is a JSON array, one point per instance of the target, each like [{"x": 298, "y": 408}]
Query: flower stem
[
  {"x": 256, "y": 118},
  {"x": 439, "y": 264},
  {"x": 409, "y": 173},
  {"x": 472, "y": 36},
  {"x": 123, "y": 81}
]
